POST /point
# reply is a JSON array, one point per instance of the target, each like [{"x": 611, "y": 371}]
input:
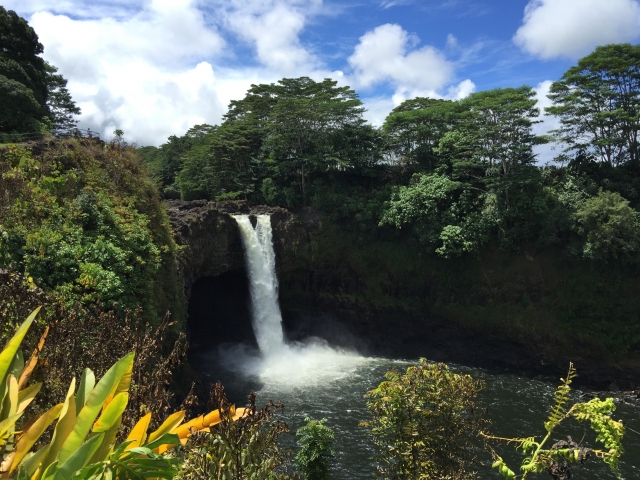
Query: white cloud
[
  {"x": 154, "y": 68},
  {"x": 572, "y": 28},
  {"x": 387, "y": 55},
  {"x": 272, "y": 27},
  {"x": 144, "y": 74},
  {"x": 384, "y": 55}
]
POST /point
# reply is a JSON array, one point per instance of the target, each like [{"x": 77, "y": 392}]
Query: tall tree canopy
[
  {"x": 32, "y": 95},
  {"x": 598, "y": 103},
  {"x": 415, "y": 128},
  {"x": 280, "y": 138}
]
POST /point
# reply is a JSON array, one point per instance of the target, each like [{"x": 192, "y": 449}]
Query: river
[{"x": 517, "y": 406}]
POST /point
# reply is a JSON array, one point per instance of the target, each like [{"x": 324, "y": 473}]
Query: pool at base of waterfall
[
  {"x": 319, "y": 382},
  {"x": 314, "y": 380}
]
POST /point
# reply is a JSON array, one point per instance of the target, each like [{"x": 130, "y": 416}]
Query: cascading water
[
  {"x": 261, "y": 263},
  {"x": 312, "y": 361}
]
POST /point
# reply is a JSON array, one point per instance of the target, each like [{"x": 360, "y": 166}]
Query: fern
[
  {"x": 561, "y": 397},
  {"x": 540, "y": 458},
  {"x": 609, "y": 432}
]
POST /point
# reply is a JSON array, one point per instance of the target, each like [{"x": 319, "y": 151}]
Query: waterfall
[{"x": 261, "y": 264}]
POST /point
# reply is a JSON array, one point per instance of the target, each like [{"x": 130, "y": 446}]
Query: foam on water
[{"x": 298, "y": 364}]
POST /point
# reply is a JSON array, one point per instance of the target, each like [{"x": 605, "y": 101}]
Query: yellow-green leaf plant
[
  {"x": 83, "y": 442},
  {"x": 541, "y": 457}
]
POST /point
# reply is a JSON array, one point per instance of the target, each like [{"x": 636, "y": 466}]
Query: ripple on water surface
[{"x": 317, "y": 381}]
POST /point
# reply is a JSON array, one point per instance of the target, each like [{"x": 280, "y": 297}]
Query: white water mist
[
  {"x": 312, "y": 362},
  {"x": 263, "y": 283}
]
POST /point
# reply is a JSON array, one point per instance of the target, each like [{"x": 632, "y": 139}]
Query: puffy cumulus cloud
[
  {"x": 384, "y": 55},
  {"x": 572, "y": 28},
  {"x": 147, "y": 66},
  {"x": 272, "y": 28},
  {"x": 144, "y": 74},
  {"x": 388, "y": 55}
]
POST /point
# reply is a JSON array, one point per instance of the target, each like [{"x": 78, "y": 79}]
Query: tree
[
  {"x": 303, "y": 125},
  {"x": 60, "y": 105},
  {"x": 495, "y": 130},
  {"x": 316, "y": 441},
  {"x": 414, "y": 130},
  {"x": 23, "y": 87},
  {"x": 165, "y": 161},
  {"x": 425, "y": 422},
  {"x": 291, "y": 133},
  {"x": 32, "y": 95},
  {"x": 598, "y": 104},
  {"x": 609, "y": 227},
  {"x": 19, "y": 109}
]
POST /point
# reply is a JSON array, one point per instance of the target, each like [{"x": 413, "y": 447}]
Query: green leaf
[
  {"x": 111, "y": 413},
  {"x": 8, "y": 353},
  {"x": 87, "y": 382},
  {"x": 93, "y": 405},
  {"x": 79, "y": 459}
]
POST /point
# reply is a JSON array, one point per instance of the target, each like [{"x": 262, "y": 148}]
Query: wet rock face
[{"x": 209, "y": 239}]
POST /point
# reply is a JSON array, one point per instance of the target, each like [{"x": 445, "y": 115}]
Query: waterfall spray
[
  {"x": 300, "y": 363},
  {"x": 261, "y": 263}
]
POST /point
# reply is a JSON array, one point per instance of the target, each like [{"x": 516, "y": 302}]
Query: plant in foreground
[
  {"x": 424, "y": 422},
  {"x": 556, "y": 459},
  {"x": 83, "y": 442},
  {"x": 316, "y": 442},
  {"x": 244, "y": 449}
]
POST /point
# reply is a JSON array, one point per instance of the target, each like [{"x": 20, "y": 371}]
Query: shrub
[
  {"x": 244, "y": 449},
  {"x": 425, "y": 422},
  {"x": 316, "y": 441}
]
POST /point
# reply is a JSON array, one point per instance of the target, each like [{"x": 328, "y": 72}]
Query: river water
[
  {"x": 333, "y": 387},
  {"x": 314, "y": 380}
]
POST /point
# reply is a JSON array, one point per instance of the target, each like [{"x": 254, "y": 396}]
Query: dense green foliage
[
  {"x": 83, "y": 221},
  {"x": 33, "y": 97},
  {"x": 315, "y": 442},
  {"x": 461, "y": 176},
  {"x": 245, "y": 449},
  {"x": 425, "y": 422}
]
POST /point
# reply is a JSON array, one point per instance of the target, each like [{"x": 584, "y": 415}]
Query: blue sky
[{"x": 156, "y": 67}]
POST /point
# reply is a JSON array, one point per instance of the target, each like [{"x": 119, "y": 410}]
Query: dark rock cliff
[{"x": 362, "y": 296}]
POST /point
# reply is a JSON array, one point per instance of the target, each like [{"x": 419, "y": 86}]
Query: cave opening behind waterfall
[{"x": 219, "y": 311}]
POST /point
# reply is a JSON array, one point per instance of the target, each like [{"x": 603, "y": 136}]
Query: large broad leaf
[
  {"x": 17, "y": 364},
  {"x": 26, "y": 396},
  {"x": 79, "y": 458},
  {"x": 169, "y": 424},
  {"x": 165, "y": 439},
  {"x": 30, "y": 465},
  {"x": 111, "y": 413},
  {"x": 92, "y": 407},
  {"x": 108, "y": 442},
  {"x": 10, "y": 403},
  {"x": 7, "y": 355},
  {"x": 31, "y": 436},
  {"x": 87, "y": 382},
  {"x": 123, "y": 385},
  {"x": 138, "y": 433},
  {"x": 63, "y": 428},
  {"x": 138, "y": 463},
  {"x": 9, "y": 424}
]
